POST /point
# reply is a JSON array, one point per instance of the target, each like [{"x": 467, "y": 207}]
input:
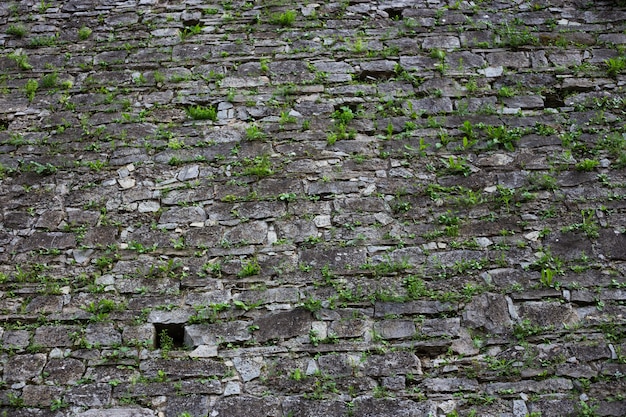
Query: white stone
[
  {"x": 188, "y": 173},
  {"x": 491, "y": 71},
  {"x": 248, "y": 368},
  {"x": 519, "y": 408},
  {"x": 383, "y": 218},
  {"x": 323, "y": 220},
  {"x": 532, "y": 236},
  {"x": 56, "y": 353},
  {"x": 483, "y": 242},
  {"x": 369, "y": 190},
  {"x": 232, "y": 388},
  {"x": 148, "y": 207},
  {"x": 320, "y": 329},
  {"x": 106, "y": 279},
  {"x": 126, "y": 182},
  {"x": 203, "y": 351},
  {"x": 311, "y": 367},
  {"x": 272, "y": 237},
  {"x": 447, "y": 407},
  {"x": 81, "y": 256}
]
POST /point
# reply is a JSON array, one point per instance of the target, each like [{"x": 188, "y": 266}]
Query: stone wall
[{"x": 365, "y": 208}]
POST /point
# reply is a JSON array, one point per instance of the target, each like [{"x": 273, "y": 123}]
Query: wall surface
[{"x": 364, "y": 208}]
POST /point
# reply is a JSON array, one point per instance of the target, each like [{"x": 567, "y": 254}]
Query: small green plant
[
  {"x": 505, "y": 91},
  {"x": 586, "y": 409},
  {"x": 285, "y": 19},
  {"x": 616, "y": 65},
  {"x": 188, "y": 31},
  {"x": 588, "y": 225},
  {"x": 587, "y": 165},
  {"x": 297, "y": 374},
  {"x": 166, "y": 342},
  {"x": 18, "y": 30},
  {"x": 44, "y": 5},
  {"x": 525, "y": 329},
  {"x": 457, "y": 166},
  {"x": 259, "y": 166},
  {"x": 202, "y": 113},
  {"x": 249, "y": 268},
  {"x": 58, "y": 404},
  {"x": 84, "y": 33},
  {"x": 341, "y": 118},
  {"x": 501, "y": 135},
  {"x": 31, "y": 88},
  {"x": 38, "y": 41},
  {"x": 21, "y": 60},
  {"x": 547, "y": 278},
  {"x": 50, "y": 80},
  {"x": 514, "y": 36}
]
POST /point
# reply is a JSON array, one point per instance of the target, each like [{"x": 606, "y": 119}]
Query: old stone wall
[{"x": 270, "y": 208}]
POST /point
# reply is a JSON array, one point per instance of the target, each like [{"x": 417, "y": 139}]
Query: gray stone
[
  {"x": 546, "y": 386},
  {"x": 183, "y": 215},
  {"x": 508, "y": 59},
  {"x": 45, "y": 304},
  {"x": 188, "y": 173},
  {"x": 103, "y": 334},
  {"x": 243, "y": 405},
  {"x": 440, "y": 41},
  {"x": 248, "y": 368},
  {"x": 432, "y": 105},
  {"x": 519, "y": 408},
  {"x": 64, "y": 371},
  {"x": 394, "y": 383},
  {"x": 440, "y": 327},
  {"x": 377, "y": 68},
  {"x": 195, "y": 405},
  {"x": 298, "y": 406},
  {"x": 395, "y": 329},
  {"x": 348, "y": 328},
  {"x": 253, "y": 233},
  {"x": 382, "y": 309},
  {"x": 232, "y": 388},
  {"x": 15, "y": 339},
  {"x": 524, "y": 102},
  {"x": 547, "y": 313},
  {"x": 613, "y": 244},
  {"x": 41, "y": 395},
  {"x": 392, "y": 363},
  {"x": 374, "y": 407},
  {"x": 297, "y": 231},
  {"x": 118, "y": 412},
  {"x": 169, "y": 317},
  {"x": 488, "y": 312},
  {"x": 179, "y": 369},
  {"x": 283, "y": 325},
  {"x": 451, "y": 384},
  {"x": 142, "y": 334},
  {"x": 25, "y": 368},
  {"x": 565, "y": 58}
]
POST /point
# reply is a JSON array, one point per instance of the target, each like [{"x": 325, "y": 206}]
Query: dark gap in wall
[{"x": 166, "y": 332}]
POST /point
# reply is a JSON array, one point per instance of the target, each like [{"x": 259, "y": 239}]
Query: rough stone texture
[
  {"x": 488, "y": 312},
  {"x": 328, "y": 208}
]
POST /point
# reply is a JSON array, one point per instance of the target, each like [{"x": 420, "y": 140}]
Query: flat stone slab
[
  {"x": 118, "y": 412},
  {"x": 283, "y": 325}
]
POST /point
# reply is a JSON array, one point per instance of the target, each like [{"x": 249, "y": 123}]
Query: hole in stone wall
[
  {"x": 4, "y": 124},
  {"x": 395, "y": 14},
  {"x": 169, "y": 335},
  {"x": 553, "y": 101}
]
